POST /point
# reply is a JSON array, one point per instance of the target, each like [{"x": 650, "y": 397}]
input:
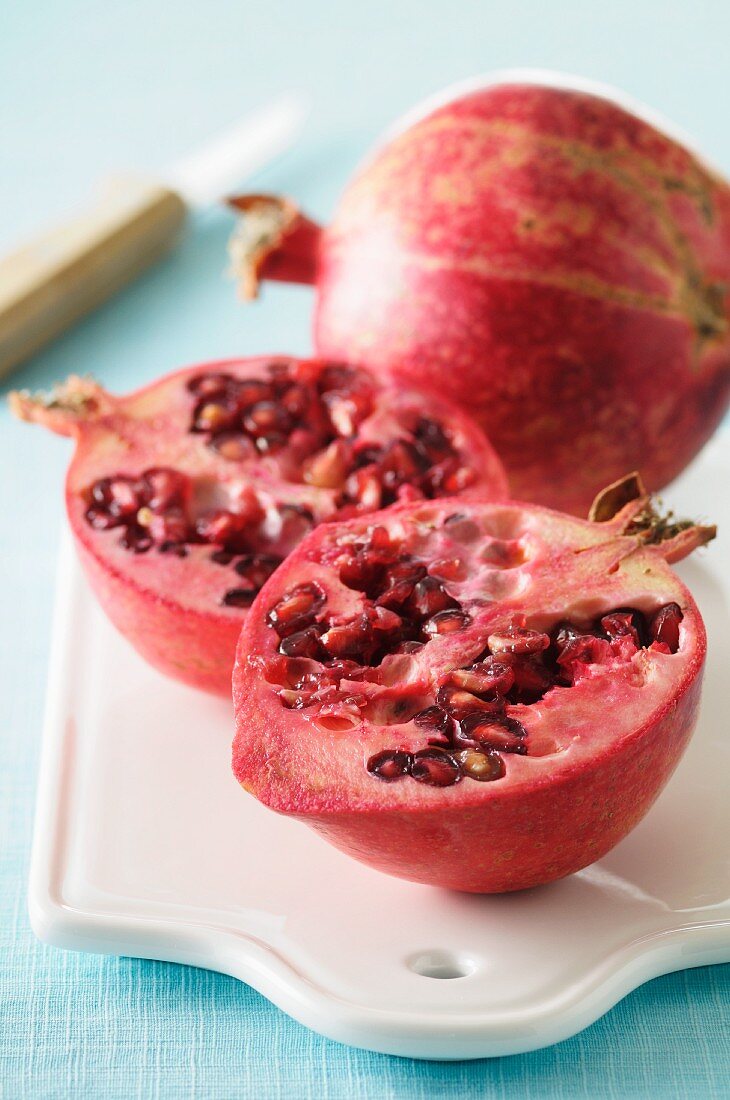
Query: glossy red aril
[
  {"x": 545, "y": 257},
  {"x": 512, "y": 749},
  {"x": 185, "y": 496}
]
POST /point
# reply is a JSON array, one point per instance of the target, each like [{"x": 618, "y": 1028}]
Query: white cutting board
[{"x": 145, "y": 845}]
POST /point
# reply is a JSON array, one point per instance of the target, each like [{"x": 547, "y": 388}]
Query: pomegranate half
[
  {"x": 545, "y": 257},
  {"x": 477, "y": 696},
  {"x": 185, "y": 496}
]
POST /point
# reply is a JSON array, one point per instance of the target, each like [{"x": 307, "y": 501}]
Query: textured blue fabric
[{"x": 86, "y": 86}]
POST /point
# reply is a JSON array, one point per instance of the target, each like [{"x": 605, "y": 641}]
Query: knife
[{"x": 49, "y": 283}]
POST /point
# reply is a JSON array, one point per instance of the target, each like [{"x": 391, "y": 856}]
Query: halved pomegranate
[
  {"x": 185, "y": 496},
  {"x": 478, "y": 696}
]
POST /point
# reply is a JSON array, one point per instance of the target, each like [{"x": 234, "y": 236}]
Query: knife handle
[{"x": 54, "y": 280}]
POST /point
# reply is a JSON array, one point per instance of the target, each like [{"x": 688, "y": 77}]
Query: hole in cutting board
[{"x": 441, "y": 964}]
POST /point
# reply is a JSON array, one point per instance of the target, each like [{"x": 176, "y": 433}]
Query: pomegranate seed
[
  {"x": 170, "y": 526},
  {"x": 233, "y": 446},
  {"x": 433, "y": 438},
  {"x": 458, "y": 479},
  {"x": 664, "y": 626},
  {"x": 296, "y": 609},
  {"x": 304, "y": 643},
  {"x": 379, "y": 546},
  {"x": 401, "y": 462},
  {"x": 293, "y": 700},
  {"x": 296, "y": 400},
  {"x": 566, "y": 632},
  {"x": 385, "y": 620},
  {"x": 449, "y": 477},
  {"x": 246, "y": 392},
  {"x": 446, "y": 622},
  {"x": 301, "y": 675},
  {"x": 164, "y": 487},
  {"x": 397, "y": 595},
  {"x": 268, "y": 444},
  {"x": 303, "y": 443},
  {"x": 248, "y": 508},
  {"x": 347, "y": 411},
  {"x": 517, "y": 639},
  {"x": 364, "y": 488},
  {"x": 407, "y": 494},
  {"x": 238, "y": 597},
  {"x": 267, "y": 418},
  {"x": 391, "y": 764},
  {"x": 100, "y": 519},
  {"x": 123, "y": 497},
  {"x": 175, "y": 548},
  {"x": 483, "y": 766},
  {"x": 210, "y": 385},
  {"x": 136, "y": 539},
  {"x": 284, "y": 671},
  {"x": 257, "y": 568},
  {"x": 488, "y": 677},
  {"x": 586, "y": 649},
  {"x": 99, "y": 492},
  {"x": 459, "y": 703},
  {"x": 212, "y": 416},
  {"x": 351, "y": 639},
  {"x": 361, "y": 574},
  {"x": 434, "y": 718},
  {"x": 329, "y": 468},
  {"x": 497, "y": 732},
  {"x": 366, "y": 455},
  {"x": 338, "y": 376},
  {"x": 435, "y": 768},
  {"x": 224, "y": 528},
  {"x": 619, "y": 624},
  {"x": 448, "y": 569},
  {"x": 344, "y": 670},
  {"x": 622, "y": 633},
  {"x": 532, "y": 678},
  {"x": 428, "y": 597},
  {"x": 282, "y": 370},
  {"x": 402, "y": 578}
]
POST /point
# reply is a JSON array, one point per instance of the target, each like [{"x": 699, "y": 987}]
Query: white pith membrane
[
  {"x": 281, "y": 491},
  {"x": 522, "y": 567}
]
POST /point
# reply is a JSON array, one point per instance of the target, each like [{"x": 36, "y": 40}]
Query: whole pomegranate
[
  {"x": 473, "y": 695},
  {"x": 185, "y": 496},
  {"x": 543, "y": 256}
]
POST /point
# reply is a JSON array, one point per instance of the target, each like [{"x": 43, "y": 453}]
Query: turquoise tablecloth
[{"x": 87, "y": 86}]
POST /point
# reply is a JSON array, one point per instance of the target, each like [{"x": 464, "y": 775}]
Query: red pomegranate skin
[
  {"x": 599, "y": 752},
  {"x": 550, "y": 261},
  {"x": 170, "y": 607}
]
